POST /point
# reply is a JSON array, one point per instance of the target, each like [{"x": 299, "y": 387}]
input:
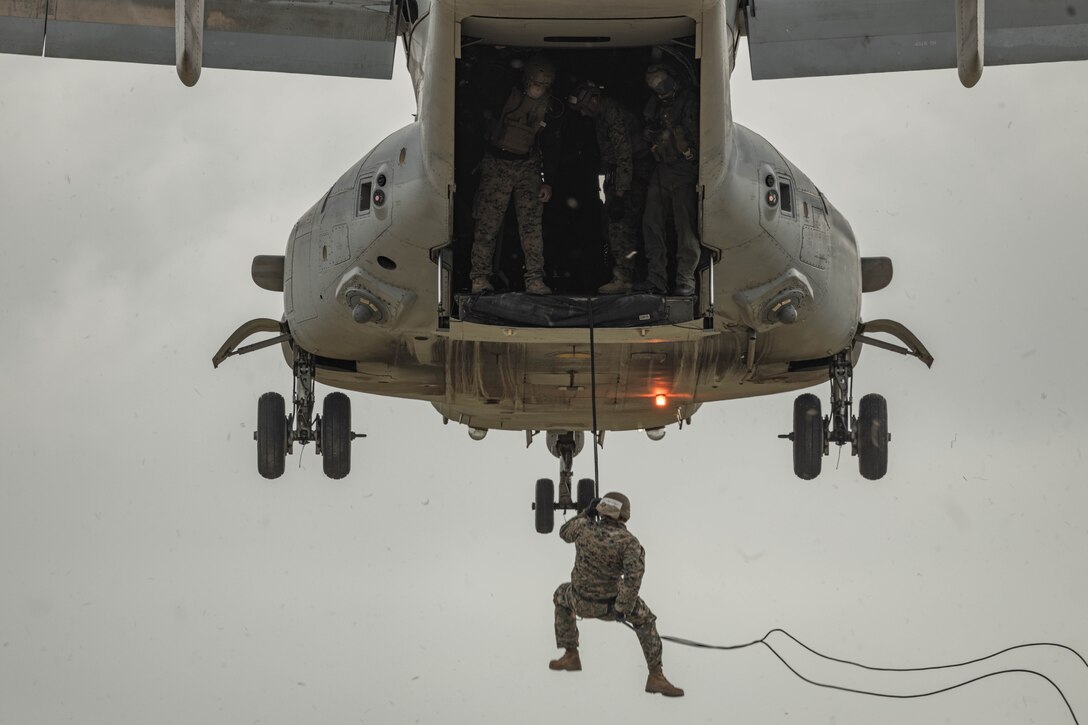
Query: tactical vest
[
  {"x": 665, "y": 121},
  {"x": 522, "y": 118}
]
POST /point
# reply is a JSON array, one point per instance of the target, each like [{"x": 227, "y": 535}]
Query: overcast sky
[{"x": 149, "y": 575}]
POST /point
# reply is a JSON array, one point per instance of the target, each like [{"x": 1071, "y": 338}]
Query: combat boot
[
  {"x": 656, "y": 682},
  {"x": 619, "y": 285},
  {"x": 481, "y": 285},
  {"x": 684, "y": 289},
  {"x": 569, "y": 661},
  {"x": 537, "y": 287},
  {"x": 647, "y": 287}
]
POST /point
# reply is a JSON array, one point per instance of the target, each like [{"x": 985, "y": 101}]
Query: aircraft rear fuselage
[{"x": 389, "y": 242}]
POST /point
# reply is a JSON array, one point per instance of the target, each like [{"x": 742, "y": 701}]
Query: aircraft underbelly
[{"x": 542, "y": 386}]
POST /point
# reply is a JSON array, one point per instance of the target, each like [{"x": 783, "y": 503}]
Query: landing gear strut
[
  {"x": 564, "y": 445},
  {"x": 813, "y": 434},
  {"x": 330, "y": 432}
]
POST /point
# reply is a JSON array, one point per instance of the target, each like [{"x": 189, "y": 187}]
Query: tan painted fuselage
[{"x": 522, "y": 378}]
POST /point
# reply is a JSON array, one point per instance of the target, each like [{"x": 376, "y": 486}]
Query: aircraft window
[
  {"x": 786, "y": 196},
  {"x": 364, "y": 197}
]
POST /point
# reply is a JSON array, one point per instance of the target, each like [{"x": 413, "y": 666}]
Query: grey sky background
[{"x": 148, "y": 574}]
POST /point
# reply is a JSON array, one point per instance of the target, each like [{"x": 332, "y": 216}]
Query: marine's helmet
[
  {"x": 662, "y": 80},
  {"x": 584, "y": 96},
  {"x": 538, "y": 71},
  {"x": 615, "y": 505}
]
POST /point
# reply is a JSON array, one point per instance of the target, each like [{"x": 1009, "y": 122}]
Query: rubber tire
[
  {"x": 545, "y": 506},
  {"x": 586, "y": 493},
  {"x": 336, "y": 435},
  {"x": 808, "y": 437},
  {"x": 271, "y": 435},
  {"x": 872, "y": 436}
]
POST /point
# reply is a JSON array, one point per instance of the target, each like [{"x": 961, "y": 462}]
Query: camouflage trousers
[
  {"x": 569, "y": 605},
  {"x": 499, "y": 180},
  {"x": 625, "y": 234},
  {"x": 672, "y": 187}
]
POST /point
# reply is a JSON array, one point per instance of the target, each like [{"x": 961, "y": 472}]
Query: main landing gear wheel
[
  {"x": 545, "y": 505},
  {"x": 335, "y": 435},
  {"x": 808, "y": 437},
  {"x": 564, "y": 445},
  {"x": 585, "y": 493},
  {"x": 330, "y": 431},
  {"x": 872, "y": 436},
  {"x": 867, "y": 433},
  {"x": 271, "y": 436}
]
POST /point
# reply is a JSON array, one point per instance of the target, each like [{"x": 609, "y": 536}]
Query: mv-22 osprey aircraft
[{"x": 375, "y": 277}]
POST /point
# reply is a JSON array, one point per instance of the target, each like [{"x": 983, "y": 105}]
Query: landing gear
[
  {"x": 813, "y": 434},
  {"x": 334, "y": 443},
  {"x": 271, "y": 435},
  {"x": 808, "y": 437},
  {"x": 587, "y": 488},
  {"x": 545, "y": 505},
  {"x": 564, "y": 445},
  {"x": 331, "y": 432},
  {"x": 872, "y": 436}
]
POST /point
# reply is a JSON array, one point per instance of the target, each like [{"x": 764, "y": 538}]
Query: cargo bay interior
[{"x": 576, "y": 251}]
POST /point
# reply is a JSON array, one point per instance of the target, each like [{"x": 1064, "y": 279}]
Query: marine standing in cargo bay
[
  {"x": 513, "y": 166},
  {"x": 627, "y": 166},
  {"x": 672, "y": 129}
]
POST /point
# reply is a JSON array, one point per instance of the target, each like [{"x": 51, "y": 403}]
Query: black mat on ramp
[{"x": 518, "y": 309}]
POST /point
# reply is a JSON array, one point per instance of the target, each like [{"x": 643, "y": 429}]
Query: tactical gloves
[{"x": 591, "y": 509}]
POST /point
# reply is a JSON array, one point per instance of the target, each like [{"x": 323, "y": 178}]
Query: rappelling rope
[
  {"x": 763, "y": 641},
  {"x": 593, "y": 400}
]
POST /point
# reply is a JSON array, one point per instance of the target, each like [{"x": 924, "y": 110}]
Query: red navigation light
[{"x": 661, "y": 400}]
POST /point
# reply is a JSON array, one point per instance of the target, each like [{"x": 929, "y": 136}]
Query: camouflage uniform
[
  {"x": 627, "y": 166},
  {"x": 673, "y": 128},
  {"x": 499, "y": 179},
  {"x": 512, "y": 166},
  {"x": 608, "y": 568}
]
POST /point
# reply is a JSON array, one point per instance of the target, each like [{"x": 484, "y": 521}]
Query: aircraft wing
[
  {"x": 326, "y": 37},
  {"x": 794, "y": 38}
]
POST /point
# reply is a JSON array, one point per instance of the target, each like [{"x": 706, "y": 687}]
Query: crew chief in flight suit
[
  {"x": 672, "y": 128},
  {"x": 608, "y": 567},
  {"x": 512, "y": 167}
]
